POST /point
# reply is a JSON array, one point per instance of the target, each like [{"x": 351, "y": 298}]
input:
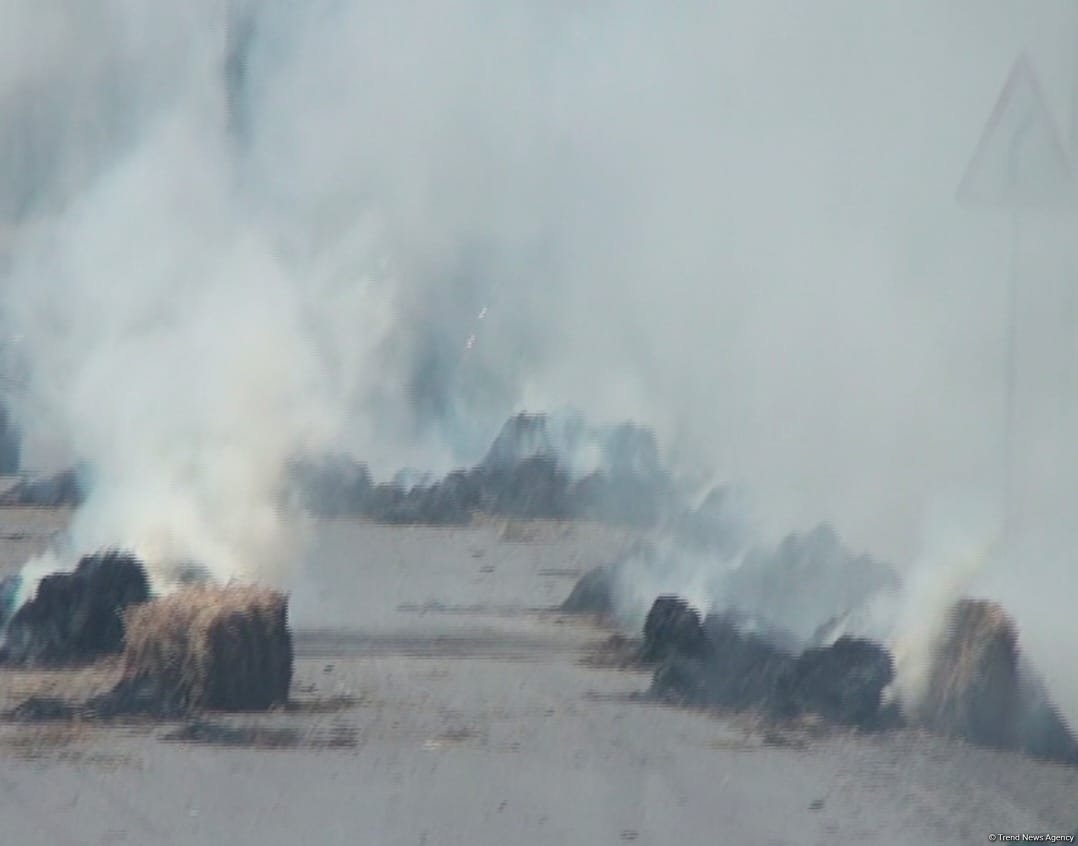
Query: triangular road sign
[{"x": 1020, "y": 162}]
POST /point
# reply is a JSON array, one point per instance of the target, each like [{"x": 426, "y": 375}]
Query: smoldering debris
[
  {"x": 800, "y": 630},
  {"x": 673, "y": 628},
  {"x": 79, "y": 616},
  {"x": 979, "y": 690},
  {"x": 765, "y": 588},
  {"x": 711, "y": 662},
  {"x": 201, "y": 648},
  {"x": 715, "y": 525},
  {"x": 842, "y": 683},
  {"x": 331, "y": 486},
  {"x": 771, "y": 582},
  {"x": 538, "y": 467},
  {"x": 60, "y": 490}
]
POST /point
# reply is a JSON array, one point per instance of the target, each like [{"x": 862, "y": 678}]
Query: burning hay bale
[
  {"x": 331, "y": 486},
  {"x": 62, "y": 489},
  {"x": 714, "y": 663},
  {"x": 77, "y": 616},
  {"x": 977, "y": 689},
  {"x": 771, "y": 583},
  {"x": 205, "y": 648},
  {"x": 973, "y": 687},
  {"x": 530, "y": 471}
]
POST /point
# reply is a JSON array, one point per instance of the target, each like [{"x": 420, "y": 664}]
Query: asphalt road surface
[{"x": 440, "y": 700}]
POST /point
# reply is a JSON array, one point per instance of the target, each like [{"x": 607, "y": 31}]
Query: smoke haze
[{"x": 237, "y": 231}]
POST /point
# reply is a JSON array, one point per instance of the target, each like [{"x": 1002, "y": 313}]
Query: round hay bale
[
  {"x": 973, "y": 689},
  {"x": 211, "y": 648}
]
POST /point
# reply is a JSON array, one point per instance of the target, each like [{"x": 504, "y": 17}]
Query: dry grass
[
  {"x": 71, "y": 684},
  {"x": 973, "y": 690},
  {"x": 217, "y": 648}
]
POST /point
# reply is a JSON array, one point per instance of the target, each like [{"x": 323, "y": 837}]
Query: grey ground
[{"x": 439, "y": 700}]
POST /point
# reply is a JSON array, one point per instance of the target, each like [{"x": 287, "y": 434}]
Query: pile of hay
[
  {"x": 205, "y": 648},
  {"x": 973, "y": 689}
]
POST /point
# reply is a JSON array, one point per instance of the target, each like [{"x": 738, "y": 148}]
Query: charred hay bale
[
  {"x": 61, "y": 489},
  {"x": 446, "y": 503},
  {"x": 330, "y": 486},
  {"x": 626, "y": 501},
  {"x": 449, "y": 502},
  {"x": 206, "y": 648},
  {"x": 456, "y": 497},
  {"x": 593, "y": 594},
  {"x": 735, "y": 670},
  {"x": 673, "y": 627},
  {"x": 715, "y": 524},
  {"x": 842, "y": 683},
  {"x": 533, "y": 488},
  {"x": 77, "y": 616},
  {"x": 524, "y": 436},
  {"x": 973, "y": 689},
  {"x": 386, "y": 504},
  {"x": 745, "y": 668}
]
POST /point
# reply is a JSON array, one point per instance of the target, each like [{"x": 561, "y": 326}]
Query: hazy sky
[{"x": 735, "y": 221}]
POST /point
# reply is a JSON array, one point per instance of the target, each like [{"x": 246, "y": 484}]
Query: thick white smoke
[{"x": 238, "y": 230}]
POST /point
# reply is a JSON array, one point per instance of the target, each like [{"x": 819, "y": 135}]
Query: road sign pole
[
  {"x": 1020, "y": 164},
  {"x": 1011, "y": 365},
  {"x": 1011, "y": 378}
]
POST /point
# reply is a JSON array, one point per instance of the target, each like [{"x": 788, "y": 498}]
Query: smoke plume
[{"x": 236, "y": 231}]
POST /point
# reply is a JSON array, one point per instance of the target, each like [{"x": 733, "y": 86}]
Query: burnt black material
[
  {"x": 714, "y": 663},
  {"x": 523, "y": 475},
  {"x": 77, "y": 616},
  {"x": 842, "y": 682},
  {"x": 672, "y": 627},
  {"x": 61, "y": 489}
]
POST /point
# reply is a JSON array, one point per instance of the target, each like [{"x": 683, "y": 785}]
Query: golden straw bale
[{"x": 224, "y": 648}]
